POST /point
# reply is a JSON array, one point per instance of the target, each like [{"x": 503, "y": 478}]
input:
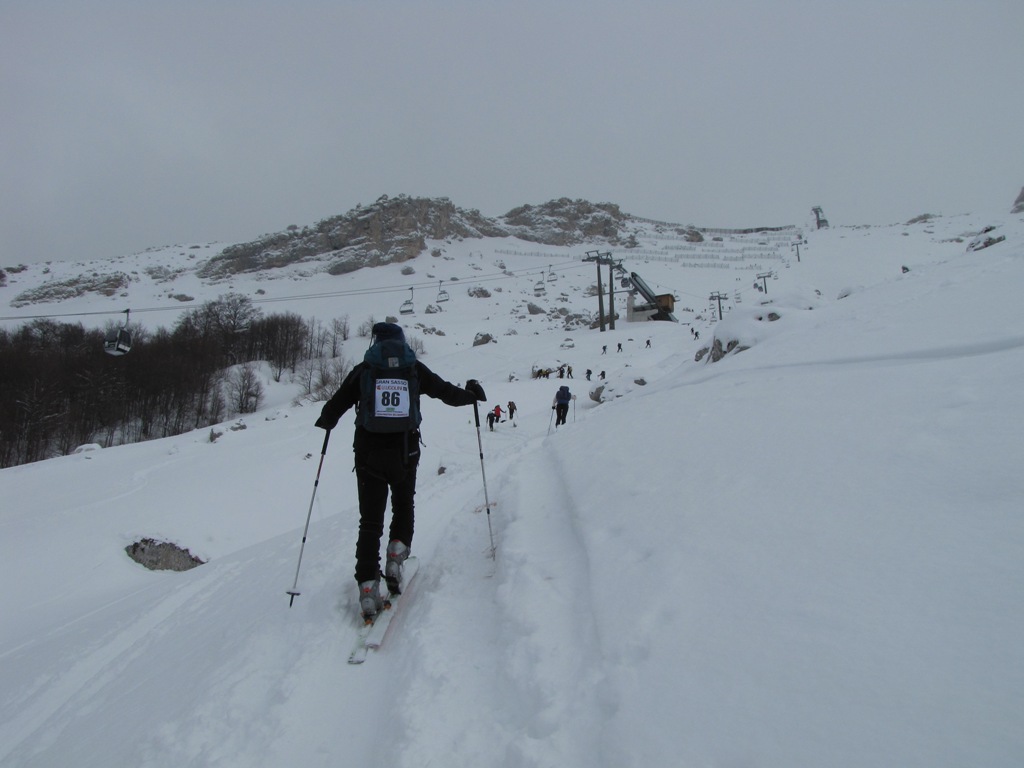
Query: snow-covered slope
[{"x": 808, "y": 553}]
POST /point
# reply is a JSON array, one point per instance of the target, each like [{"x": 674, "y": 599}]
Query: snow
[{"x": 809, "y": 553}]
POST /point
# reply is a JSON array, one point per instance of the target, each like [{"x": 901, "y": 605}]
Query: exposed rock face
[
  {"x": 60, "y": 290},
  {"x": 565, "y": 222},
  {"x": 717, "y": 351},
  {"x": 162, "y": 555},
  {"x": 395, "y": 229},
  {"x": 1018, "y": 204}
]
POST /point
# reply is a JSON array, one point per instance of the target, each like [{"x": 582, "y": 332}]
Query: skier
[
  {"x": 494, "y": 416},
  {"x": 384, "y": 389},
  {"x": 560, "y": 405},
  {"x": 511, "y": 410},
  {"x": 589, "y": 374}
]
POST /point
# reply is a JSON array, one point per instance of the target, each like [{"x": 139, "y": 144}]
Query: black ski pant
[
  {"x": 561, "y": 411},
  {"x": 377, "y": 472}
]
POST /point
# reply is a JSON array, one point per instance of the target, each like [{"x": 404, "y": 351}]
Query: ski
[{"x": 371, "y": 636}]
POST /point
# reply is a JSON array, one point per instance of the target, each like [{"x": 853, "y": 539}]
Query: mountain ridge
[{"x": 396, "y": 229}]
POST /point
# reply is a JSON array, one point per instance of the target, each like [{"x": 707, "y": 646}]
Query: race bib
[{"x": 391, "y": 400}]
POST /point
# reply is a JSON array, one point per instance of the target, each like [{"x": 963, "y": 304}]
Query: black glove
[
  {"x": 474, "y": 388},
  {"x": 325, "y": 422}
]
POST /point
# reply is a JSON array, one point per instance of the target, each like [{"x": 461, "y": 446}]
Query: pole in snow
[
  {"x": 483, "y": 472},
  {"x": 294, "y": 591}
]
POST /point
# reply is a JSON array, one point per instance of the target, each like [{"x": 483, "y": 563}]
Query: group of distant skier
[{"x": 494, "y": 415}]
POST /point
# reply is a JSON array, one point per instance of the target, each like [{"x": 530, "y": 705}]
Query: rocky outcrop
[
  {"x": 566, "y": 222},
  {"x": 61, "y": 290},
  {"x": 162, "y": 555},
  {"x": 395, "y": 229},
  {"x": 1018, "y": 204}
]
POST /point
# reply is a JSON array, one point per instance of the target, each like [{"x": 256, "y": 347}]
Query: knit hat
[{"x": 384, "y": 331}]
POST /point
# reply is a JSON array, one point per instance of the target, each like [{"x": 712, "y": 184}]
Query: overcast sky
[{"x": 128, "y": 125}]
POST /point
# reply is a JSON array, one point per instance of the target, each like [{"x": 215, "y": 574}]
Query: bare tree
[
  {"x": 244, "y": 388},
  {"x": 321, "y": 378}
]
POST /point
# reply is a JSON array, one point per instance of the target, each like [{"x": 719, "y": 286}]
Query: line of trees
[{"x": 59, "y": 390}]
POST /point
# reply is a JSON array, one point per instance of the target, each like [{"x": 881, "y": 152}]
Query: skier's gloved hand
[
  {"x": 326, "y": 422},
  {"x": 474, "y": 388}
]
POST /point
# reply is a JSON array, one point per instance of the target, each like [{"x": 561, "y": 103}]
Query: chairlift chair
[
  {"x": 551, "y": 275},
  {"x": 442, "y": 295},
  {"x": 539, "y": 289},
  {"x": 407, "y": 307},
  {"x": 118, "y": 341}
]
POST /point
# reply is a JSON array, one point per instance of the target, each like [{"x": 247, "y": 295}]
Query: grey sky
[{"x": 133, "y": 124}]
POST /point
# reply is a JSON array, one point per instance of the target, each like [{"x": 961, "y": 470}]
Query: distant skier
[
  {"x": 511, "y": 410},
  {"x": 560, "y": 405},
  {"x": 497, "y": 413},
  {"x": 385, "y": 391},
  {"x": 589, "y": 374},
  {"x": 493, "y": 416}
]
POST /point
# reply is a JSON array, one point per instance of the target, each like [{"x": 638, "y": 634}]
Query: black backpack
[{"x": 389, "y": 399}]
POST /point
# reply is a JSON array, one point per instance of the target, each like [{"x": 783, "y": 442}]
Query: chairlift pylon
[
  {"x": 407, "y": 307},
  {"x": 118, "y": 341}
]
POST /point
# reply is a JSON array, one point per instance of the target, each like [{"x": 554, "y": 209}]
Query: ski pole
[
  {"x": 550, "y": 419},
  {"x": 294, "y": 591},
  {"x": 483, "y": 472}
]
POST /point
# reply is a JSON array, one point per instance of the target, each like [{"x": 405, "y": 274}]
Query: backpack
[
  {"x": 389, "y": 399},
  {"x": 563, "y": 396}
]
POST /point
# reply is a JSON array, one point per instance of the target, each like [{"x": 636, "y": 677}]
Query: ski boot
[
  {"x": 370, "y": 601},
  {"x": 396, "y": 555}
]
